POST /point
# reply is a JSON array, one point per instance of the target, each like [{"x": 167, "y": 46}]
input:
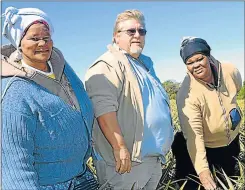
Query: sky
[{"x": 82, "y": 30}]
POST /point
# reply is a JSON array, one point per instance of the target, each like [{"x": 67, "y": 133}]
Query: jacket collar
[
  {"x": 11, "y": 65},
  {"x": 142, "y": 58},
  {"x": 216, "y": 70}
]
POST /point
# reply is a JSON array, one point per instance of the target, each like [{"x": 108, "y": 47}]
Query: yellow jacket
[{"x": 203, "y": 109}]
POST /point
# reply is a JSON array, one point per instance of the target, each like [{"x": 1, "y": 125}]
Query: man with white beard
[{"x": 133, "y": 126}]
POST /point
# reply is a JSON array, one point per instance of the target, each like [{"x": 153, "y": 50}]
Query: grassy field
[
  {"x": 241, "y": 104},
  {"x": 167, "y": 181}
]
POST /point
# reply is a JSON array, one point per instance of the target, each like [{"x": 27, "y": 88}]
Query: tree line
[{"x": 172, "y": 88}]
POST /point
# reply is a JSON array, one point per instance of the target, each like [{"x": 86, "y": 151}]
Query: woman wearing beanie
[
  {"x": 209, "y": 116},
  {"x": 46, "y": 114}
]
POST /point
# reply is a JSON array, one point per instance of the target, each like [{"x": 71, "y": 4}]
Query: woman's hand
[
  {"x": 123, "y": 161},
  {"x": 207, "y": 180}
]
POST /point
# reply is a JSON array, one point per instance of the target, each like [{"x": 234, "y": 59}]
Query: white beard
[{"x": 136, "y": 50}]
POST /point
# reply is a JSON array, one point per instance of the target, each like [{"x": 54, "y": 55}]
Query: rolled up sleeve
[{"x": 103, "y": 87}]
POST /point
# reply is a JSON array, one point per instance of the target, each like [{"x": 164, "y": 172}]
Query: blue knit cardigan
[{"x": 44, "y": 140}]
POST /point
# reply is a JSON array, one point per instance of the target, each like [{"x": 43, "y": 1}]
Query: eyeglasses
[
  {"x": 37, "y": 40},
  {"x": 132, "y": 31}
]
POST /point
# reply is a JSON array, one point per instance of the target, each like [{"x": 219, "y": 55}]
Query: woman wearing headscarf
[
  {"x": 46, "y": 114},
  {"x": 209, "y": 115}
]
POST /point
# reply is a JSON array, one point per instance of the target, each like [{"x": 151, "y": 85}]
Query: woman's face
[
  {"x": 37, "y": 44},
  {"x": 198, "y": 65}
]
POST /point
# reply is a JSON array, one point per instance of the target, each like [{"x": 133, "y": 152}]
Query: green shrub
[{"x": 241, "y": 94}]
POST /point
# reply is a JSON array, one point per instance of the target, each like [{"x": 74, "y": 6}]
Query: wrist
[
  {"x": 119, "y": 146},
  {"x": 203, "y": 170}
]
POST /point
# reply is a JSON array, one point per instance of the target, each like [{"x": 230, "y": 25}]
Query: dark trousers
[{"x": 222, "y": 157}]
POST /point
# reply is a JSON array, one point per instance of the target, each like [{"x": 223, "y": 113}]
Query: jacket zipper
[
  {"x": 225, "y": 118},
  {"x": 228, "y": 135},
  {"x": 67, "y": 94}
]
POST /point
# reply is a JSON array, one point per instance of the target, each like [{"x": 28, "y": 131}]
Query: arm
[
  {"x": 18, "y": 131},
  {"x": 109, "y": 126},
  {"x": 18, "y": 170},
  {"x": 104, "y": 88},
  {"x": 191, "y": 124}
]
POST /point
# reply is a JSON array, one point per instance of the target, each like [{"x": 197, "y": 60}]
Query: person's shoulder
[
  {"x": 227, "y": 65},
  {"x": 188, "y": 89},
  {"x": 16, "y": 93},
  {"x": 57, "y": 52},
  {"x": 23, "y": 86},
  {"x": 57, "y": 56},
  {"x": 106, "y": 57},
  {"x": 102, "y": 61},
  {"x": 146, "y": 58},
  {"x": 186, "y": 83},
  {"x": 106, "y": 62},
  {"x": 7, "y": 50},
  {"x": 18, "y": 85},
  {"x": 15, "y": 80},
  {"x": 228, "y": 69}
]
